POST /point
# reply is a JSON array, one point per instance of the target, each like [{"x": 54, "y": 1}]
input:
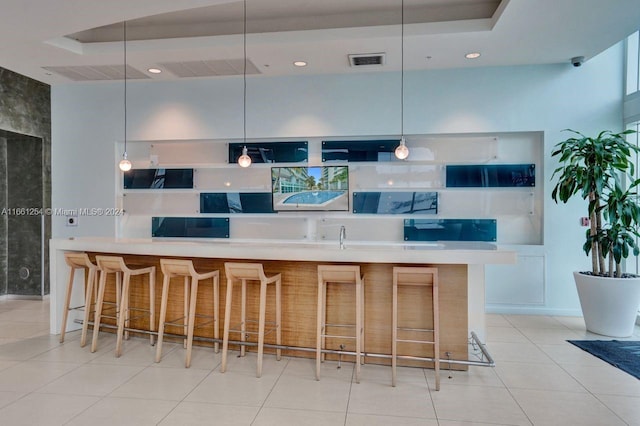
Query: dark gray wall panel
[
  {"x": 25, "y": 194},
  {"x": 25, "y": 109}
]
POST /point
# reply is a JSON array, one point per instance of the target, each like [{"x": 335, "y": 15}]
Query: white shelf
[{"x": 517, "y": 210}]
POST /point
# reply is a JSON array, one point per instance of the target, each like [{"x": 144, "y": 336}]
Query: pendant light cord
[
  {"x": 244, "y": 75},
  {"x": 402, "y": 69},
  {"x": 125, "y": 86}
]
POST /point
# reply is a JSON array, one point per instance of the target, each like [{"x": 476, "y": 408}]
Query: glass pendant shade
[
  {"x": 244, "y": 160},
  {"x": 125, "y": 164},
  {"x": 402, "y": 152}
]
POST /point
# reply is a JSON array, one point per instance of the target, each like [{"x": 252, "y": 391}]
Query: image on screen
[{"x": 310, "y": 188}]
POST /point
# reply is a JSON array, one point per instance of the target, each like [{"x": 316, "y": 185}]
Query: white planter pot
[{"x": 609, "y": 305}]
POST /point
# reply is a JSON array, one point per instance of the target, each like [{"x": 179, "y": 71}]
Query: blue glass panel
[
  {"x": 214, "y": 203},
  {"x": 158, "y": 178},
  {"x": 234, "y": 202},
  {"x": 256, "y": 202},
  {"x": 190, "y": 227},
  {"x": 491, "y": 175},
  {"x": 395, "y": 202},
  {"x": 271, "y": 152},
  {"x": 450, "y": 229},
  {"x": 353, "y": 151}
]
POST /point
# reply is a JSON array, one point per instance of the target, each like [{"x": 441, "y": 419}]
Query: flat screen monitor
[{"x": 310, "y": 188}]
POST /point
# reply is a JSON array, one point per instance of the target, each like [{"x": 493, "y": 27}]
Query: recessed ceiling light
[
  {"x": 154, "y": 70},
  {"x": 472, "y": 55},
  {"x": 300, "y": 63}
]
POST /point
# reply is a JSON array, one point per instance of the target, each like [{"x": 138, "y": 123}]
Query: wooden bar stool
[
  {"x": 116, "y": 265},
  {"x": 416, "y": 276},
  {"x": 244, "y": 272},
  {"x": 172, "y": 268},
  {"x": 340, "y": 274},
  {"x": 80, "y": 261}
]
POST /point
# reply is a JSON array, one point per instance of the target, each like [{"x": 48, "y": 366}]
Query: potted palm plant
[{"x": 597, "y": 169}]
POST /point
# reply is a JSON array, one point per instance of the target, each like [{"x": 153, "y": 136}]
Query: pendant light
[
  {"x": 244, "y": 160},
  {"x": 402, "y": 152},
  {"x": 125, "y": 164}
]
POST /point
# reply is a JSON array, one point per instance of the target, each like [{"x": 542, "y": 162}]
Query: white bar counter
[{"x": 474, "y": 255}]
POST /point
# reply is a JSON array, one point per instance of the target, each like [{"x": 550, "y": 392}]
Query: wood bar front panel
[{"x": 299, "y": 304}]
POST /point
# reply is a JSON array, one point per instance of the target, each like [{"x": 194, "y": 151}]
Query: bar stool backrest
[
  {"x": 111, "y": 264},
  {"x": 78, "y": 260},
  {"x": 244, "y": 271},
  {"x": 177, "y": 267},
  {"x": 416, "y": 276},
  {"x": 339, "y": 273}
]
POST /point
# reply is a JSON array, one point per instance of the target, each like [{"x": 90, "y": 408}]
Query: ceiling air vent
[
  {"x": 97, "y": 72},
  {"x": 367, "y": 60},
  {"x": 209, "y": 68}
]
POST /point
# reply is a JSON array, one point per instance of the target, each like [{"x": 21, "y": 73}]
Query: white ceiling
[{"x": 437, "y": 33}]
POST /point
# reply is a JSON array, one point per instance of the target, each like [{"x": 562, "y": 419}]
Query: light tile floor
[{"x": 539, "y": 380}]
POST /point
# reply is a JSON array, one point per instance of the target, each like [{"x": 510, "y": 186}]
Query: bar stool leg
[
  {"x": 98, "y": 313},
  {"x": 363, "y": 306},
  {"x": 278, "y": 318},
  {"x": 152, "y": 304},
  {"x": 319, "y": 328},
  {"x": 185, "y": 311},
  {"x": 91, "y": 291},
  {"x": 191, "y": 321},
  {"x": 325, "y": 289},
  {"x": 394, "y": 330},
  {"x": 227, "y": 319},
  {"x": 261, "y": 320},
  {"x": 358, "y": 328},
  {"x": 123, "y": 317},
  {"x": 436, "y": 337},
  {"x": 243, "y": 317},
  {"x": 216, "y": 312},
  {"x": 67, "y": 302},
  {"x": 163, "y": 316}
]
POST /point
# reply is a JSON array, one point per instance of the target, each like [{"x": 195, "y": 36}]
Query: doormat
[{"x": 624, "y": 355}]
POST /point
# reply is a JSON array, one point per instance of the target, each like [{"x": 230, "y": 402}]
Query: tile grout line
[
  {"x": 587, "y": 391},
  {"x": 188, "y": 393},
  {"x": 583, "y": 386},
  {"x": 52, "y": 380},
  {"x": 270, "y": 391},
  {"x": 505, "y": 385},
  {"x": 103, "y": 397},
  {"x": 346, "y": 411},
  {"x": 433, "y": 403}
]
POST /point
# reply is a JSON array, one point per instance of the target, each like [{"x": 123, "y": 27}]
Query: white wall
[{"x": 87, "y": 120}]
